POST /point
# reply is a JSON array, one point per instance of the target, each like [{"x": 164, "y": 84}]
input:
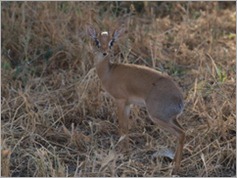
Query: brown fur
[{"x": 134, "y": 84}]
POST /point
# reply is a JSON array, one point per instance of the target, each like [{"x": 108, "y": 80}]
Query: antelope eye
[
  {"x": 97, "y": 43},
  {"x": 111, "y": 43}
]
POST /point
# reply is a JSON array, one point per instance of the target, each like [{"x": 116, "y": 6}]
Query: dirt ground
[{"x": 56, "y": 119}]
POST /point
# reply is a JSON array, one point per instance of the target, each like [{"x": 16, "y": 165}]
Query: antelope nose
[{"x": 104, "y": 54}]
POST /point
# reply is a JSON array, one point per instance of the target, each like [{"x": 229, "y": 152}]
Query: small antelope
[{"x": 135, "y": 84}]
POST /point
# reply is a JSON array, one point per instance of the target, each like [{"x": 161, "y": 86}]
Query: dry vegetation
[{"x": 55, "y": 118}]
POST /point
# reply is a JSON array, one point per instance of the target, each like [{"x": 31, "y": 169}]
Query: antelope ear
[
  {"x": 91, "y": 32},
  {"x": 118, "y": 33}
]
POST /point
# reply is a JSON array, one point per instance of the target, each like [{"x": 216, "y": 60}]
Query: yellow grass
[{"x": 55, "y": 118}]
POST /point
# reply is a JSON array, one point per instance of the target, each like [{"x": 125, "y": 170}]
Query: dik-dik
[{"x": 134, "y": 84}]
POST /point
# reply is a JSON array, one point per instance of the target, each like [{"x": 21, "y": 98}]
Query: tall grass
[{"x": 57, "y": 121}]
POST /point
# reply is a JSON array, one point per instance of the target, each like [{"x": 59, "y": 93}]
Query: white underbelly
[
  {"x": 132, "y": 100},
  {"x": 137, "y": 101}
]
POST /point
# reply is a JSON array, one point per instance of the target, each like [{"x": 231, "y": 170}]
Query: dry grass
[{"x": 55, "y": 118}]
